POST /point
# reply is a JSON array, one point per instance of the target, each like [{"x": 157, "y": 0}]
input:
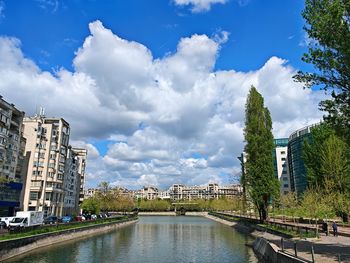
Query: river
[{"x": 155, "y": 239}]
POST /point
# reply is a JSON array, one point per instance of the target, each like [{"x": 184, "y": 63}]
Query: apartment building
[
  {"x": 12, "y": 145},
  {"x": 71, "y": 183},
  {"x": 82, "y": 155},
  {"x": 210, "y": 191},
  {"x": 46, "y": 150},
  {"x": 147, "y": 192}
]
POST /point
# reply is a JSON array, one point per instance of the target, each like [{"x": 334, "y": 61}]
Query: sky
[{"x": 156, "y": 90}]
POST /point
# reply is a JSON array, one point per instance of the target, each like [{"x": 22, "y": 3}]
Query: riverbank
[
  {"x": 18, "y": 246},
  {"x": 268, "y": 245}
]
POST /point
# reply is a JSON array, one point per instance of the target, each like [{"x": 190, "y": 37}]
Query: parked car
[
  {"x": 51, "y": 220},
  {"x": 93, "y": 217},
  {"x": 3, "y": 225},
  {"x": 80, "y": 218},
  {"x": 67, "y": 219}
]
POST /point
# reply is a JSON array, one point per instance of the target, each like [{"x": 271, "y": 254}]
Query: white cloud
[
  {"x": 199, "y": 5},
  {"x": 170, "y": 120}
]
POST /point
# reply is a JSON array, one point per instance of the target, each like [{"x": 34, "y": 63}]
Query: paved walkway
[{"x": 326, "y": 248}]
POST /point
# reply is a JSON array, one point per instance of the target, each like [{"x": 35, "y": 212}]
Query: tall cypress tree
[{"x": 261, "y": 184}]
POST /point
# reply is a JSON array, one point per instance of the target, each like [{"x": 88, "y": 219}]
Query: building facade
[
  {"x": 46, "y": 150},
  {"x": 280, "y": 163},
  {"x": 71, "y": 183},
  {"x": 296, "y": 165},
  {"x": 12, "y": 144},
  {"x": 82, "y": 155},
  {"x": 210, "y": 191}
]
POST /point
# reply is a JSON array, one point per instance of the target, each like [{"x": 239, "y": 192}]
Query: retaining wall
[
  {"x": 170, "y": 213},
  {"x": 269, "y": 252},
  {"x": 16, "y": 247}
]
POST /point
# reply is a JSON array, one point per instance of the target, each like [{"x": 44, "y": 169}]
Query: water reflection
[{"x": 153, "y": 239}]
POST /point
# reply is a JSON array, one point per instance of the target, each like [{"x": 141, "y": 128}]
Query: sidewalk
[{"x": 326, "y": 248}]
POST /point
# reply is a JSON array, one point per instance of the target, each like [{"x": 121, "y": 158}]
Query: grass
[
  {"x": 302, "y": 234},
  {"x": 275, "y": 228},
  {"x": 61, "y": 227}
]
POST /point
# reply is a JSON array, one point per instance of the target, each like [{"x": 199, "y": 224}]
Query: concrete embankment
[
  {"x": 157, "y": 213},
  {"x": 271, "y": 253},
  {"x": 15, "y": 247},
  {"x": 265, "y": 250},
  {"x": 171, "y": 213}
]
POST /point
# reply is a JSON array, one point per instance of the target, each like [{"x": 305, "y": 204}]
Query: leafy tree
[
  {"x": 261, "y": 183},
  {"x": 328, "y": 30},
  {"x": 289, "y": 203},
  {"x": 316, "y": 205},
  {"x": 335, "y": 166},
  {"x": 311, "y": 153},
  {"x": 91, "y": 205}
]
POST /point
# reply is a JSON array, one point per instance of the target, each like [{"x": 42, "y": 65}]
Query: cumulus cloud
[
  {"x": 199, "y": 5},
  {"x": 170, "y": 120}
]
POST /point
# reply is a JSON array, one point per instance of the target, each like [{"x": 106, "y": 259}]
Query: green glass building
[{"x": 296, "y": 165}]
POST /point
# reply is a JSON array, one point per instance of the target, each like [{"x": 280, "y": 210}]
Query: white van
[{"x": 26, "y": 219}]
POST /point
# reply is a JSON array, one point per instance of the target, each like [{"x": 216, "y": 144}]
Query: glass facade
[{"x": 296, "y": 165}]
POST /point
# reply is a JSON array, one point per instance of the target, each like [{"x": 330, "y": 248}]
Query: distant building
[
  {"x": 210, "y": 191},
  {"x": 148, "y": 192},
  {"x": 90, "y": 192},
  {"x": 164, "y": 195},
  {"x": 12, "y": 145}
]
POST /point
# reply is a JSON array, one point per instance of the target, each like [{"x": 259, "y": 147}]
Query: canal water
[{"x": 155, "y": 239}]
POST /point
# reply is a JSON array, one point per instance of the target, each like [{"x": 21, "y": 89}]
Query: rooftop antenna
[{"x": 42, "y": 112}]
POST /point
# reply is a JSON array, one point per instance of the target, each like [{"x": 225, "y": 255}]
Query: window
[
  {"x": 51, "y": 174},
  {"x": 285, "y": 185},
  {"x": 31, "y": 208},
  {"x": 50, "y": 184},
  {"x": 60, "y": 177},
  {"x": 283, "y": 152},
  {"x": 33, "y": 195},
  {"x": 63, "y": 150},
  {"x": 39, "y": 173},
  {"x": 283, "y": 159},
  {"x": 285, "y": 178},
  {"x": 48, "y": 196},
  {"x": 284, "y": 172},
  {"x": 36, "y": 183}
]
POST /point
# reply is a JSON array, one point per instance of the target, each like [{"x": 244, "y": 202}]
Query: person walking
[
  {"x": 335, "y": 228},
  {"x": 325, "y": 227}
]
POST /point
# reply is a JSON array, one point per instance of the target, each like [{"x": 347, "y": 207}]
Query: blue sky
[
  {"x": 51, "y": 31},
  {"x": 156, "y": 89}
]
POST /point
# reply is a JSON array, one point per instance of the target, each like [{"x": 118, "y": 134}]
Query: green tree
[
  {"x": 261, "y": 183},
  {"x": 91, "y": 205},
  {"x": 289, "y": 204},
  {"x": 335, "y": 167},
  {"x": 328, "y": 31},
  {"x": 311, "y": 153},
  {"x": 315, "y": 205}
]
